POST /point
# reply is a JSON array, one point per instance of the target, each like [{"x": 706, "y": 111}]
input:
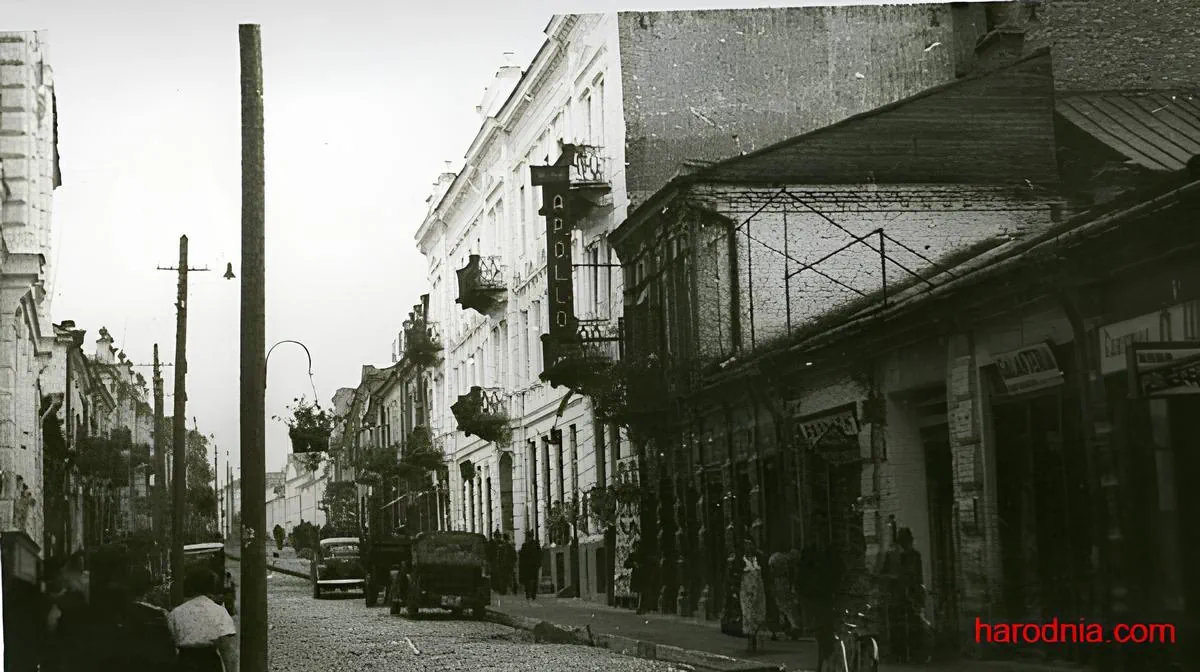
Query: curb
[
  {"x": 274, "y": 568},
  {"x": 557, "y": 634}
]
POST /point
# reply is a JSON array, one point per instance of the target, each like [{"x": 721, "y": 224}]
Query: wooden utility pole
[
  {"x": 179, "y": 422},
  {"x": 254, "y": 356},
  {"x": 160, "y": 456}
]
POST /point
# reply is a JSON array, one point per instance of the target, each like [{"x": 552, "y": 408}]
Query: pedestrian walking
[
  {"x": 904, "y": 594},
  {"x": 507, "y": 563},
  {"x": 493, "y": 559},
  {"x": 203, "y": 630},
  {"x": 115, "y": 630},
  {"x": 780, "y": 564},
  {"x": 530, "y": 561},
  {"x": 752, "y": 595},
  {"x": 820, "y": 586},
  {"x": 637, "y": 576}
]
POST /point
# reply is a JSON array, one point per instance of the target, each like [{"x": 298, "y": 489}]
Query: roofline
[
  {"x": 1042, "y": 52},
  {"x": 672, "y": 189},
  {"x": 500, "y": 121}
]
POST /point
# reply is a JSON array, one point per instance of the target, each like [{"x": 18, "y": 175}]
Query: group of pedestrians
[
  {"x": 502, "y": 561},
  {"x": 102, "y": 620}
]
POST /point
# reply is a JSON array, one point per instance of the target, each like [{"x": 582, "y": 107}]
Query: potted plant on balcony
[
  {"x": 309, "y": 426},
  {"x": 421, "y": 347}
]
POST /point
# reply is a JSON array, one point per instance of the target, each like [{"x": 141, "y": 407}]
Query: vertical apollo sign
[{"x": 555, "y": 182}]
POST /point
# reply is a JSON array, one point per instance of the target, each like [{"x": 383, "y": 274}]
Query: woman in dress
[
  {"x": 203, "y": 630},
  {"x": 753, "y": 595}
]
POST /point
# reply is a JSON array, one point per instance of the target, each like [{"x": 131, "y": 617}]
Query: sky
[{"x": 364, "y": 103}]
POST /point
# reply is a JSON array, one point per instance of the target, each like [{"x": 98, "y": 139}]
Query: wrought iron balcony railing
[
  {"x": 583, "y": 363},
  {"x": 481, "y": 284},
  {"x": 588, "y": 167},
  {"x": 483, "y": 412}
]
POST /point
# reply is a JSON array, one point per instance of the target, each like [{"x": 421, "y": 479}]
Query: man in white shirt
[{"x": 203, "y": 630}]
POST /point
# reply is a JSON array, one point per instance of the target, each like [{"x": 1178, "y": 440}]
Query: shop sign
[
  {"x": 1164, "y": 369},
  {"x": 560, "y": 282},
  {"x": 833, "y": 433},
  {"x": 1180, "y": 321},
  {"x": 1030, "y": 368},
  {"x": 20, "y": 557}
]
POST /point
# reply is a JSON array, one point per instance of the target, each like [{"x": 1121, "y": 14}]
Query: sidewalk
[{"x": 649, "y": 631}]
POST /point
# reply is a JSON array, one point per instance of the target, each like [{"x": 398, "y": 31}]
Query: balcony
[
  {"x": 583, "y": 364},
  {"x": 422, "y": 342},
  {"x": 589, "y": 175},
  {"x": 483, "y": 412},
  {"x": 481, "y": 285}
]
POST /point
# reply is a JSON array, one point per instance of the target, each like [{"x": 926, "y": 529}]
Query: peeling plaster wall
[{"x": 711, "y": 84}]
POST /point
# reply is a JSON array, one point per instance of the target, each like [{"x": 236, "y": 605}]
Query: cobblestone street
[{"x": 340, "y": 633}]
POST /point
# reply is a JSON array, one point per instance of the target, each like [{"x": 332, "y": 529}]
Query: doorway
[
  {"x": 1042, "y": 506},
  {"x": 507, "y": 524},
  {"x": 714, "y": 540}
]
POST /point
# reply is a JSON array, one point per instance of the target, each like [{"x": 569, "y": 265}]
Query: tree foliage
[{"x": 340, "y": 504}]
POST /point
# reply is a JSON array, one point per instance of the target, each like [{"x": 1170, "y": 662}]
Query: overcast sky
[{"x": 365, "y": 101}]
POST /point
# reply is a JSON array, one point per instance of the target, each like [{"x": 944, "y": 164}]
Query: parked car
[
  {"x": 337, "y": 565},
  {"x": 449, "y": 571}
]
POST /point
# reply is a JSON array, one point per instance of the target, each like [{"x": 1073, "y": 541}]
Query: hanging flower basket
[{"x": 309, "y": 427}]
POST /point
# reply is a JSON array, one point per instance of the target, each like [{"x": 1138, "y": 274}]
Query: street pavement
[{"x": 341, "y": 633}]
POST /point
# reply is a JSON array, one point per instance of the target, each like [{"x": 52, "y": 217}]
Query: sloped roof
[
  {"x": 1159, "y": 131},
  {"x": 993, "y": 128}
]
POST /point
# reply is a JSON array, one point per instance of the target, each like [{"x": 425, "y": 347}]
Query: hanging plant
[
  {"x": 602, "y": 505},
  {"x": 421, "y": 347},
  {"x": 561, "y": 518},
  {"x": 626, "y": 493},
  {"x": 309, "y": 426},
  {"x": 466, "y": 469}
]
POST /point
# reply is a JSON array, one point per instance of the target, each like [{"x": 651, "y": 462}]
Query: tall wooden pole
[
  {"x": 179, "y": 454},
  {"x": 254, "y": 356},
  {"x": 160, "y": 457}
]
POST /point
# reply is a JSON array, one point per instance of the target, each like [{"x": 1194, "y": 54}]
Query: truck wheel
[
  {"x": 316, "y": 591},
  {"x": 479, "y": 612},
  {"x": 412, "y": 601},
  {"x": 370, "y": 593},
  {"x": 395, "y": 609}
]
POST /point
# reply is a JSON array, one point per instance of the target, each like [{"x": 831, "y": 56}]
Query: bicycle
[{"x": 856, "y": 648}]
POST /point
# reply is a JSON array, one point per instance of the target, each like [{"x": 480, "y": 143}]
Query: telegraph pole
[
  {"x": 254, "y": 357},
  {"x": 160, "y": 456},
  {"x": 179, "y": 421}
]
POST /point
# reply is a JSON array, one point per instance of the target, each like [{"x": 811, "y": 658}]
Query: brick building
[
  {"x": 994, "y": 422},
  {"x": 623, "y": 99}
]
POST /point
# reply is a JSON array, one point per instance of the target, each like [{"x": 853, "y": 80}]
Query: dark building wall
[
  {"x": 710, "y": 84},
  {"x": 1119, "y": 44}
]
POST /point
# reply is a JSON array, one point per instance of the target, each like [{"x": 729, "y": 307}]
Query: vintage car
[
  {"x": 336, "y": 565},
  {"x": 212, "y": 556},
  {"x": 449, "y": 571}
]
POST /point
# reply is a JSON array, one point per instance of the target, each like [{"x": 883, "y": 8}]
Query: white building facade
[{"x": 28, "y": 176}]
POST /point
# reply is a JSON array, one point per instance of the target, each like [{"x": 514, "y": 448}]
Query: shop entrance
[{"x": 1042, "y": 500}]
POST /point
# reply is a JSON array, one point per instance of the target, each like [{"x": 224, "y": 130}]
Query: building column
[
  {"x": 975, "y": 524},
  {"x": 679, "y": 480}
]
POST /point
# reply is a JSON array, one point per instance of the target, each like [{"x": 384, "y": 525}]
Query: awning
[{"x": 1159, "y": 131}]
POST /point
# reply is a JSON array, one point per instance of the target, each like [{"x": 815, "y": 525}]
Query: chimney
[
  {"x": 104, "y": 349},
  {"x": 1004, "y": 42}
]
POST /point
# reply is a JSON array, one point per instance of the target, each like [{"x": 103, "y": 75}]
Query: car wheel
[{"x": 457, "y": 613}]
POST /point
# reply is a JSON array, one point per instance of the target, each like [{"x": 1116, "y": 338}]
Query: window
[
  {"x": 598, "y": 115},
  {"x": 589, "y": 128},
  {"x": 600, "y": 456},
  {"x": 593, "y": 257},
  {"x": 494, "y": 373},
  {"x": 524, "y": 349},
  {"x": 523, "y": 222},
  {"x": 574, "y": 438}
]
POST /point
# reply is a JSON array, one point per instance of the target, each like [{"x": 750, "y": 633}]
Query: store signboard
[
  {"x": 1178, "y": 322},
  {"x": 1033, "y": 367},
  {"x": 1159, "y": 370},
  {"x": 833, "y": 434}
]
